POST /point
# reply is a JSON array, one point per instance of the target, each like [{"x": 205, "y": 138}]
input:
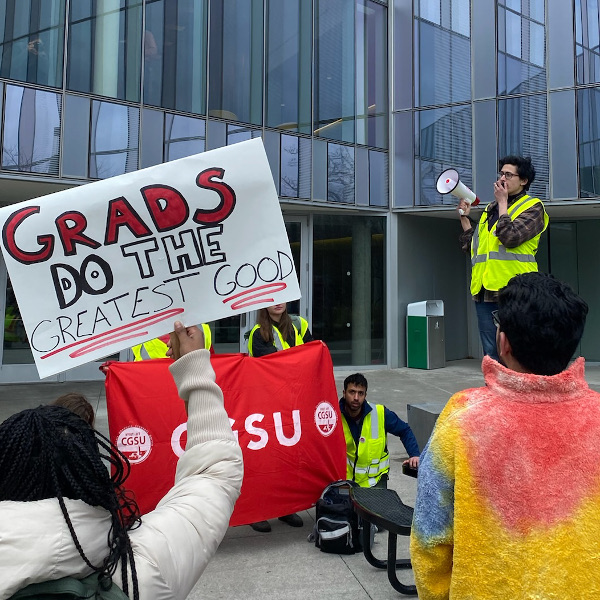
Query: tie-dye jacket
[{"x": 508, "y": 500}]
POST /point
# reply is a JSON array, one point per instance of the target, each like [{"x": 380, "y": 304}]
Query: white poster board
[{"x": 113, "y": 263}]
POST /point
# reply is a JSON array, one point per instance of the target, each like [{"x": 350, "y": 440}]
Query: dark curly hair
[
  {"x": 525, "y": 168},
  {"x": 50, "y": 452}
]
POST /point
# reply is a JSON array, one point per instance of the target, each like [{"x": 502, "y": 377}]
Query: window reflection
[
  {"x": 235, "y": 62},
  {"x": 295, "y": 167},
  {"x": 587, "y": 41},
  {"x": 334, "y": 96},
  {"x": 239, "y": 133},
  {"x": 288, "y": 77},
  {"x": 444, "y": 142},
  {"x": 521, "y": 47},
  {"x": 184, "y": 136},
  {"x": 371, "y": 74},
  {"x": 443, "y": 60},
  {"x": 174, "y": 43},
  {"x": 114, "y": 139},
  {"x": 378, "y": 178},
  {"x": 31, "y": 130},
  {"x": 105, "y": 46},
  {"x": 523, "y": 130},
  {"x": 32, "y": 40},
  {"x": 588, "y": 121},
  {"x": 340, "y": 173}
]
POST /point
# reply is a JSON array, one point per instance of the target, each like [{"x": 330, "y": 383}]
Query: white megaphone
[{"x": 449, "y": 183}]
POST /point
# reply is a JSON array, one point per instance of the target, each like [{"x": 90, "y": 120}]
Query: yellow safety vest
[
  {"x": 367, "y": 463},
  {"x": 278, "y": 341},
  {"x": 156, "y": 348},
  {"x": 493, "y": 264}
]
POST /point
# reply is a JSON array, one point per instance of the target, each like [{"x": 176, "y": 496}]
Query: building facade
[{"x": 360, "y": 104}]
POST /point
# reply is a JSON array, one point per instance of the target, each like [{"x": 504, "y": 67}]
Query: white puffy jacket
[{"x": 175, "y": 541}]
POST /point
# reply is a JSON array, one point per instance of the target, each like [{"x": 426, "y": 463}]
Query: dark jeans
[{"x": 487, "y": 329}]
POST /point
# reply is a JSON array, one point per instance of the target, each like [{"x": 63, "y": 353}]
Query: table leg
[{"x": 392, "y": 565}]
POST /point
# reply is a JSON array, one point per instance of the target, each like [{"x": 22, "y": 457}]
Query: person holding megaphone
[{"x": 504, "y": 241}]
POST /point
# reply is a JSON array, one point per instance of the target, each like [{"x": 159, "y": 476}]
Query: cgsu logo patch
[
  {"x": 325, "y": 418},
  {"x": 135, "y": 443}
]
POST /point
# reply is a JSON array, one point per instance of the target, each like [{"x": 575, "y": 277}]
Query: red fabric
[{"x": 282, "y": 473}]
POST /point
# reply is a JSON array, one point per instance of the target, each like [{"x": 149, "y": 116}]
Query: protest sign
[
  {"x": 288, "y": 426},
  {"x": 108, "y": 265}
]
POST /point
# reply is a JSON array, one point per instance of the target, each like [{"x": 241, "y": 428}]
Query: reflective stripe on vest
[
  {"x": 493, "y": 264},
  {"x": 278, "y": 340},
  {"x": 156, "y": 348},
  {"x": 366, "y": 464}
]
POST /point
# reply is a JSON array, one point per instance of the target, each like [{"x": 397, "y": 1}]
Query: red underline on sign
[
  {"x": 119, "y": 334},
  {"x": 256, "y": 295}
]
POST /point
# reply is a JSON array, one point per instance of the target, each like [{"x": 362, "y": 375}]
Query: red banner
[{"x": 283, "y": 409}]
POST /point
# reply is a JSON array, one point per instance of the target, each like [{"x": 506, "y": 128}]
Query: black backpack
[
  {"x": 337, "y": 527},
  {"x": 69, "y": 588}
]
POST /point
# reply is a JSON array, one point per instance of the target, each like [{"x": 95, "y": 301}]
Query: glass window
[
  {"x": 114, "y": 139},
  {"x": 288, "y": 79},
  {"x": 444, "y": 141},
  {"x": 174, "y": 44},
  {"x": 523, "y": 130},
  {"x": 288, "y": 171},
  {"x": 105, "y": 48},
  {"x": 429, "y": 10},
  {"x": 587, "y": 46},
  {"x": 294, "y": 170},
  {"x": 239, "y": 133},
  {"x": 184, "y": 136},
  {"x": 521, "y": 50},
  {"x": 16, "y": 349},
  {"x": 334, "y": 93},
  {"x": 378, "y": 178},
  {"x": 349, "y": 288},
  {"x": 235, "y": 60},
  {"x": 340, "y": 173},
  {"x": 443, "y": 64},
  {"x": 31, "y": 36},
  {"x": 588, "y": 123},
  {"x": 371, "y": 74},
  {"x": 31, "y": 136},
  {"x": 76, "y": 136}
]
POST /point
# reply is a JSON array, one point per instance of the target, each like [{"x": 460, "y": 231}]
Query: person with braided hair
[{"x": 63, "y": 514}]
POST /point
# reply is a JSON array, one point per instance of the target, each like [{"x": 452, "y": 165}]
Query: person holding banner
[
  {"x": 157, "y": 348},
  {"x": 277, "y": 330},
  {"x": 505, "y": 241},
  {"x": 64, "y": 515}
]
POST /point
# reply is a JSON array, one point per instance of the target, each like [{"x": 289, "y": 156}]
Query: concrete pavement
[{"x": 282, "y": 564}]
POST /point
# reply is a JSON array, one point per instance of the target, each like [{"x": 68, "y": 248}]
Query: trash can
[{"x": 425, "y": 337}]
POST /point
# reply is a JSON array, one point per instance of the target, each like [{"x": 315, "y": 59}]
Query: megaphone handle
[{"x": 461, "y": 212}]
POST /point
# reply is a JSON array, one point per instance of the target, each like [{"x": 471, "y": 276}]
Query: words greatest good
[{"x": 167, "y": 208}]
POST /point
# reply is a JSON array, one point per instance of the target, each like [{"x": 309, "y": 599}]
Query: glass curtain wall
[
  {"x": 334, "y": 94},
  {"x": 235, "y": 60},
  {"x": 32, "y": 34},
  {"x": 588, "y": 122},
  {"x": 174, "y": 42},
  {"x": 288, "y": 65},
  {"x": 31, "y": 134},
  {"x": 105, "y": 48},
  {"x": 587, "y": 41},
  {"x": 349, "y": 288},
  {"x": 442, "y": 71},
  {"x": 521, "y": 46}
]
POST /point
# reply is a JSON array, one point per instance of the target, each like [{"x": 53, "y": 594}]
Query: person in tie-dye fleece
[{"x": 508, "y": 498}]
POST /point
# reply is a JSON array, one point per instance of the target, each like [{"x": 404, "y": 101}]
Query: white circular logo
[
  {"x": 135, "y": 443},
  {"x": 325, "y": 418}
]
